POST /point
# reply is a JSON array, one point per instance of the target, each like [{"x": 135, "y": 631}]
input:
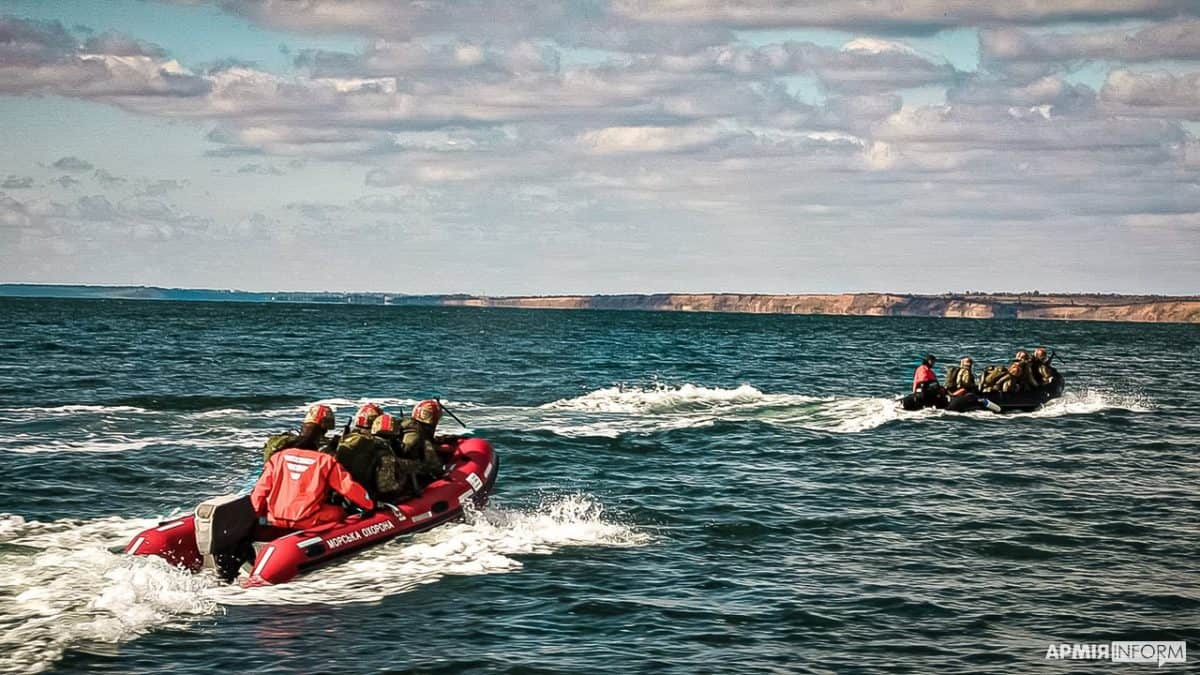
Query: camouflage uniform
[
  {"x": 416, "y": 455},
  {"x": 1018, "y": 377},
  {"x": 371, "y": 462},
  {"x": 276, "y": 443},
  {"x": 1042, "y": 371},
  {"x": 960, "y": 378}
]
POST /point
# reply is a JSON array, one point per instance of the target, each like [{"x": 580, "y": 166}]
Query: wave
[
  {"x": 61, "y": 586},
  {"x": 612, "y": 411},
  {"x": 1088, "y": 401},
  {"x": 660, "y": 399},
  {"x": 485, "y": 543}
]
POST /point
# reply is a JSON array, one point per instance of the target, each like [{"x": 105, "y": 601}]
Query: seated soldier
[
  {"x": 369, "y": 458},
  {"x": 1018, "y": 376},
  {"x": 404, "y": 479},
  {"x": 365, "y": 416},
  {"x": 317, "y": 421},
  {"x": 417, "y": 441},
  {"x": 296, "y": 485},
  {"x": 1043, "y": 372},
  {"x": 990, "y": 382},
  {"x": 960, "y": 380}
]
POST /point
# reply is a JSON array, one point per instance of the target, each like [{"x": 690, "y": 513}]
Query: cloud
[
  {"x": 43, "y": 58},
  {"x": 14, "y": 214},
  {"x": 641, "y": 25},
  {"x": 914, "y": 16},
  {"x": 479, "y": 129},
  {"x": 72, "y": 164},
  {"x": 17, "y": 183},
  {"x": 1171, "y": 40},
  {"x": 384, "y": 58},
  {"x": 107, "y": 178},
  {"x": 1154, "y": 94},
  {"x": 260, "y": 169},
  {"x": 648, "y": 139},
  {"x": 67, "y": 182},
  {"x": 161, "y": 186}
]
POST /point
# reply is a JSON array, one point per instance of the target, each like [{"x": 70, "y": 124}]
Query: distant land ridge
[{"x": 1033, "y": 305}]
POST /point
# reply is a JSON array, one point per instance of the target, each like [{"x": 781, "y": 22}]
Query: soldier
[
  {"x": 365, "y": 416},
  {"x": 369, "y": 457},
  {"x": 1043, "y": 372},
  {"x": 960, "y": 380},
  {"x": 1018, "y": 376},
  {"x": 417, "y": 441},
  {"x": 317, "y": 421}
]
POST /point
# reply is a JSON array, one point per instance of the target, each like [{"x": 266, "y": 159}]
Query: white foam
[
  {"x": 76, "y": 409},
  {"x": 617, "y": 410},
  {"x": 61, "y": 585},
  {"x": 1088, "y": 401},
  {"x": 657, "y": 399},
  {"x": 485, "y": 543},
  {"x": 383, "y": 402},
  {"x": 1082, "y": 402}
]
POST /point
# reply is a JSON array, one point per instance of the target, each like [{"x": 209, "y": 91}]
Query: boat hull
[
  {"x": 1027, "y": 401},
  {"x": 281, "y": 558}
]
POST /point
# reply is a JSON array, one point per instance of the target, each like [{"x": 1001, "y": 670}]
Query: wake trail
[{"x": 62, "y": 586}]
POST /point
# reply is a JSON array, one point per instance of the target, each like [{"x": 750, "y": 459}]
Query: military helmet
[
  {"x": 385, "y": 425},
  {"x": 428, "y": 411},
  {"x": 321, "y": 415},
  {"x": 365, "y": 415}
]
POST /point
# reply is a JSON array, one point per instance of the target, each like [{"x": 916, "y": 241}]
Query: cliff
[
  {"x": 1079, "y": 307},
  {"x": 973, "y": 306}
]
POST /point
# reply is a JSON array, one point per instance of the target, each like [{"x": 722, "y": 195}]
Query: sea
[{"x": 678, "y": 492}]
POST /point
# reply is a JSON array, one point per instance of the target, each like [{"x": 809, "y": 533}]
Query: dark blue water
[{"x": 679, "y": 493}]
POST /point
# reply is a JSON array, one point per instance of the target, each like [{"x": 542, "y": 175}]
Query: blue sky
[{"x": 601, "y": 146}]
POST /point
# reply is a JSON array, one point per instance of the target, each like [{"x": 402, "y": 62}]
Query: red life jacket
[
  {"x": 924, "y": 374},
  {"x": 295, "y": 485}
]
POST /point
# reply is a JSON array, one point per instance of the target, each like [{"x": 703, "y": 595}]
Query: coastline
[{"x": 1052, "y": 306}]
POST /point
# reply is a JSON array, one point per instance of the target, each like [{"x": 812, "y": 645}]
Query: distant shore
[{"x": 1034, "y": 305}]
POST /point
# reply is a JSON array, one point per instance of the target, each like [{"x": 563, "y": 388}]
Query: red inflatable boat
[{"x": 473, "y": 467}]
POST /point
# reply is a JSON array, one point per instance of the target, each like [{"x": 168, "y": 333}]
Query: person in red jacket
[
  {"x": 924, "y": 373},
  {"x": 293, "y": 491}
]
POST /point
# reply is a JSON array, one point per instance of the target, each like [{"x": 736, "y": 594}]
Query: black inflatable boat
[{"x": 1022, "y": 401}]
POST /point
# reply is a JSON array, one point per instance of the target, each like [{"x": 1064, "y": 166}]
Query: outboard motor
[{"x": 223, "y": 528}]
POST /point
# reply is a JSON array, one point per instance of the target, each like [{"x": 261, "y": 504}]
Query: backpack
[
  {"x": 952, "y": 378},
  {"x": 276, "y": 443},
  {"x": 992, "y": 375}
]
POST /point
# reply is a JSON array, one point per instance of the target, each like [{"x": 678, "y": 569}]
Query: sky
[{"x": 602, "y": 146}]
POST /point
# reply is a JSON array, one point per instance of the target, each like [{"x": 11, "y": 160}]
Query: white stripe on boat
[
  {"x": 465, "y": 496},
  {"x": 422, "y": 516},
  {"x": 169, "y": 526},
  {"x": 136, "y": 544},
  {"x": 310, "y": 542},
  {"x": 263, "y": 563},
  {"x": 488, "y": 471}
]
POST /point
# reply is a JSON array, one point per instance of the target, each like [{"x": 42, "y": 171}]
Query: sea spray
[{"x": 63, "y": 586}]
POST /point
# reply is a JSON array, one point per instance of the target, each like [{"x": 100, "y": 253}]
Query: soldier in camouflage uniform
[
  {"x": 1018, "y": 376},
  {"x": 369, "y": 458},
  {"x": 317, "y": 421},
  {"x": 416, "y": 448},
  {"x": 1043, "y": 372},
  {"x": 961, "y": 380}
]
